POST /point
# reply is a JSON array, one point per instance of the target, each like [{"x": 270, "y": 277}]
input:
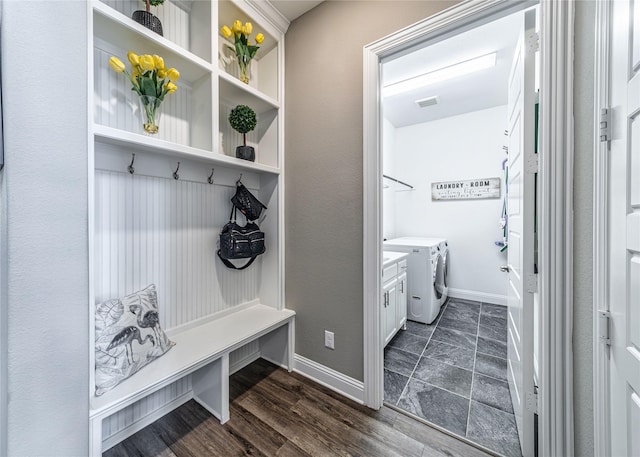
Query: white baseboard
[
  {"x": 328, "y": 377},
  {"x": 478, "y": 296},
  {"x": 146, "y": 420}
]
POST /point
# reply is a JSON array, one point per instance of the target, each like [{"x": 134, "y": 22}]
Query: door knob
[{"x": 505, "y": 268}]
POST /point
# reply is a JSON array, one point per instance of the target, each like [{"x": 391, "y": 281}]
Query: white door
[
  {"x": 624, "y": 230},
  {"x": 521, "y": 201}
]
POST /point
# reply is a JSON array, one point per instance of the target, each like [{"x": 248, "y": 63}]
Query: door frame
[
  {"x": 601, "y": 364},
  {"x": 555, "y": 229}
]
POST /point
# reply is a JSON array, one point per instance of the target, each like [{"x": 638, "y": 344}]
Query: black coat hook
[
  {"x": 175, "y": 173},
  {"x": 210, "y": 178},
  {"x": 133, "y": 159}
]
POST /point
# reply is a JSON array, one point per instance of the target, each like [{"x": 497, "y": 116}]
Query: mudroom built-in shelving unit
[{"x": 160, "y": 224}]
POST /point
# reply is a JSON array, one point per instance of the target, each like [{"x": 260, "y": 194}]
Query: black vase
[
  {"x": 148, "y": 20},
  {"x": 246, "y": 153}
]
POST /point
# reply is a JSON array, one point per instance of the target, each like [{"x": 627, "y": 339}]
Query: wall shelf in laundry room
[{"x": 398, "y": 181}]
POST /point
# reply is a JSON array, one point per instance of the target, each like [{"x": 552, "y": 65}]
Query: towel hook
[
  {"x": 239, "y": 179},
  {"x": 210, "y": 178},
  {"x": 133, "y": 159},
  {"x": 175, "y": 173}
]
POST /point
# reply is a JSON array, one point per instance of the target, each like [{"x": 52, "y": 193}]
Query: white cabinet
[
  {"x": 389, "y": 306},
  {"x": 394, "y": 297},
  {"x": 401, "y": 304}
]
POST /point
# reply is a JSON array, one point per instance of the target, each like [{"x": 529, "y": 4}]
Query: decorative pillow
[{"x": 128, "y": 337}]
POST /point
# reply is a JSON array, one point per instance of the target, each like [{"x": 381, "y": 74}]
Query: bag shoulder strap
[{"x": 232, "y": 266}]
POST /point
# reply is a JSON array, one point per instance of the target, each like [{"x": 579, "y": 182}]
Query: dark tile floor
[{"x": 453, "y": 373}]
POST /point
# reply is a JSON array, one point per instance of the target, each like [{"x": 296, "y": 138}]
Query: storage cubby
[
  {"x": 185, "y": 116},
  {"x": 186, "y": 24},
  {"x": 264, "y": 67},
  {"x": 264, "y": 138},
  {"x": 160, "y": 223}
]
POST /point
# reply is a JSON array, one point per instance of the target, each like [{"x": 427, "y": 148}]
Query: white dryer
[{"x": 425, "y": 269}]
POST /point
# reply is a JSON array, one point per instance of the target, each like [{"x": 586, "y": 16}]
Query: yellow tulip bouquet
[
  {"x": 151, "y": 80},
  {"x": 244, "y": 50}
]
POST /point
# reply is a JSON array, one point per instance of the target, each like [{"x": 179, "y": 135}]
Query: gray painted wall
[
  {"x": 583, "y": 228},
  {"x": 44, "y": 191},
  {"x": 323, "y": 160}
]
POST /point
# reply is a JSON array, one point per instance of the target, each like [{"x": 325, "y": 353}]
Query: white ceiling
[
  {"x": 292, "y": 9},
  {"x": 480, "y": 90}
]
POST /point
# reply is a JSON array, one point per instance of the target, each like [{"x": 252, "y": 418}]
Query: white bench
[{"x": 202, "y": 351}]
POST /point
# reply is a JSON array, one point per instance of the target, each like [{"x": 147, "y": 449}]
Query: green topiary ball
[
  {"x": 154, "y": 2},
  {"x": 242, "y": 119}
]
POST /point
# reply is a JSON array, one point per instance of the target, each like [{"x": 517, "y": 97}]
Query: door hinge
[
  {"x": 532, "y": 163},
  {"x": 604, "y": 322},
  {"x": 531, "y": 401},
  {"x": 531, "y": 283},
  {"x": 605, "y": 125},
  {"x": 533, "y": 42}
]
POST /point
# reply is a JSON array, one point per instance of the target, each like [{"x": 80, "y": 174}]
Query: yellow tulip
[
  {"x": 134, "y": 60},
  {"x": 116, "y": 64},
  {"x": 248, "y": 28},
  {"x": 173, "y": 74},
  {"x": 259, "y": 38},
  {"x": 237, "y": 26},
  {"x": 171, "y": 88},
  {"x": 134, "y": 74},
  {"x": 162, "y": 73},
  {"x": 158, "y": 61},
  {"x": 226, "y": 31},
  {"x": 147, "y": 63}
]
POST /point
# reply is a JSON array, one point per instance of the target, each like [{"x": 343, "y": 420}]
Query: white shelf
[
  {"x": 139, "y": 142},
  {"x": 122, "y": 32},
  {"x": 236, "y": 92}
]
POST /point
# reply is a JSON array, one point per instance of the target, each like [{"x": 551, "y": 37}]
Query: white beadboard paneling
[
  {"x": 116, "y": 105},
  {"x": 244, "y": 355},
  {"x": 132, "y": 414},
  {"x": 163, "y": 231}
]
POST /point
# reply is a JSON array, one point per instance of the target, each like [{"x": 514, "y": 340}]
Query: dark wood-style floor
[{"x": 276, "y": 413}]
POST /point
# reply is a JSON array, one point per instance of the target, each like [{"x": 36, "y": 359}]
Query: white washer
[{"x": 425, "y": 270}]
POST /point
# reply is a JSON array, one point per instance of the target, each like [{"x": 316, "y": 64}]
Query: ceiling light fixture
[{"x": 442, "y": 74}]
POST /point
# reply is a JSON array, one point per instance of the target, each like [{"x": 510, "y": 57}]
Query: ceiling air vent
[{"x": 427, "y": 102}]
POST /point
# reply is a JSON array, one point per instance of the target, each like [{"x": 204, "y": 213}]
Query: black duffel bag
[{"x": 238, "y": 242}]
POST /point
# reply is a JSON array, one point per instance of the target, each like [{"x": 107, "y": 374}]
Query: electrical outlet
[{"x": 328, "y": 339}]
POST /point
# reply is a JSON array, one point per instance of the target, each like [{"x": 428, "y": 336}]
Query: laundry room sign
[{"x": 466, "y": 189}]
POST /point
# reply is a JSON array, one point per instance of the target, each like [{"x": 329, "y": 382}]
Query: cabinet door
[
  {"x": 390, "y": 291},
  {"x": 401, "y": 303}
]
